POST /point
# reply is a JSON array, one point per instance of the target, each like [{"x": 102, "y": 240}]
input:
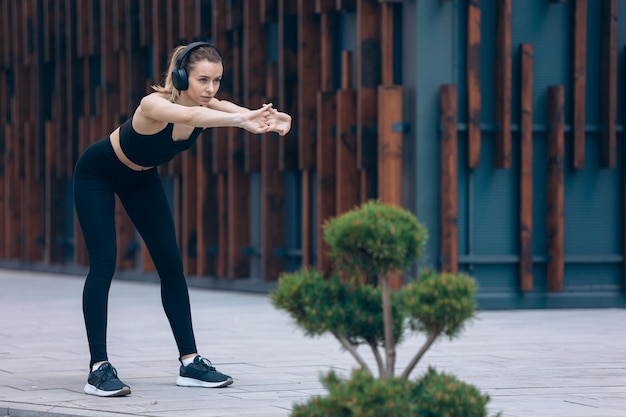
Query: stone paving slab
[{"x": 552, "y": 363}]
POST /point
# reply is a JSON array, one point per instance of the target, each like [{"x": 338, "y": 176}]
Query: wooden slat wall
[
  {"x": 333, "y": 139},
  {"x": 554, "y": 131},
  {"x": 354, "y": 122}
]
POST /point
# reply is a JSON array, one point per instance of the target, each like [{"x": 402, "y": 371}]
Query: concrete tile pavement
[{"x": 553, "y": 363}]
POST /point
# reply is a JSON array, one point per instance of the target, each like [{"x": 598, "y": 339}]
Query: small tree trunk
[{"x": 390, "y": 343}]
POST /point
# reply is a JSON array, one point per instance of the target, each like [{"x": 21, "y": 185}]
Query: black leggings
[{"x": 98, "y": 175}]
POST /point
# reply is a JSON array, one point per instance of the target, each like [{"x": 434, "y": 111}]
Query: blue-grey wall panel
[{"x": 488, "y": 198}]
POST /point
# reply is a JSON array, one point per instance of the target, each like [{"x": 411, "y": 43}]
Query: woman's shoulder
[{"x": 143, "y": 122}]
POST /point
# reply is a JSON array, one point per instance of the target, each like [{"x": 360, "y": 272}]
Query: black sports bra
[{"x": 156, "y": 149}]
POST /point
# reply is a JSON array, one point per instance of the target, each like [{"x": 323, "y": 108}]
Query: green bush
[
  {"x": 439, "y": 302},
  {"x": 319, "y": 304},
  {"x": 433, "y": 395},
  {"x": 374, "y": 239},
  {"x": 443, "y": 395}
]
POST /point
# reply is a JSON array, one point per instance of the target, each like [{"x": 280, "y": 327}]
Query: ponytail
[{"x": 169, "y": 88}]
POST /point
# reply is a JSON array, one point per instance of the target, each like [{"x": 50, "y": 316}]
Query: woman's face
[{"x": 204, "y": 81}]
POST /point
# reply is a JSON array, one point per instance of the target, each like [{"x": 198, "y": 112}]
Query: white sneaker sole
[
  {"x": 91, "y": 390},
  {"x": 191, "y": 382}
]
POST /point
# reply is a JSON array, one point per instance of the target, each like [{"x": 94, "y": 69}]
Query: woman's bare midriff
[{"x": 115, "y": 143}]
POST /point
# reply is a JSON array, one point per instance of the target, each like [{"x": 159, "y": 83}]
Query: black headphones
[{"x": 179, "y": 74}]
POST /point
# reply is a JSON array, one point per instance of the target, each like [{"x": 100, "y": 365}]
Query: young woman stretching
[{"x": 166, "y": 122}]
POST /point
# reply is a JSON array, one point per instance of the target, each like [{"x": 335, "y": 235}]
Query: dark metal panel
[{"x": 435, "y": 21}]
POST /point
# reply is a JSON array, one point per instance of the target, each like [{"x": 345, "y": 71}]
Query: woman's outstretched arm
[{"x": 154, "y": 106}]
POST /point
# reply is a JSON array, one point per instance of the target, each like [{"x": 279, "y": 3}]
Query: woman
[{"x": 167, "y": 122}]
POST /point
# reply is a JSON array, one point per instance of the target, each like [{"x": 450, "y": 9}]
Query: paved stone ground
[{"x": 551, "y": 363}]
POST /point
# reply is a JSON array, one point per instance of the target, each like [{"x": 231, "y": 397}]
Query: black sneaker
[
  {"x": 202, "y": 373},
  {"x": 104, "y": 382}
]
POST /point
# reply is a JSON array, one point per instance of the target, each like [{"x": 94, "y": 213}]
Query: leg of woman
[
  {"x": 95, "y": 209},
  {"x": 147, "y": 206}
]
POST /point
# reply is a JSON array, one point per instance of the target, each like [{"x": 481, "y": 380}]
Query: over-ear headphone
[{"x": 179, "y": 74}]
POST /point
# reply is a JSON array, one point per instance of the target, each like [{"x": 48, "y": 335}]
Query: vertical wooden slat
[
  {"x": 308, "y": 58},
  {"x": 325, "y": 6},
  {"x": 117, "y": 23},
  {"x": 473, "y": 83},
  {"x": 254, "y": 78},
  {"x": 204, "y": 18},
  {"x": 85, "y": 131},
  {"x": 326, "y": 171},
  {"x": 390, "y": 144},
  {"x": 348, "y": 178},
  {"x": 159, "y": 48},
  {"x": 67, "y": 153},
  {"x": 171, "y": 24},
  {"x": 390, "y": 153},
  {"x": 219, "y": 151},
  {"x": 186, "y": 20},
  {"x": 556, "y": 189},
  {"x": 47, "y": 23},
  {"x": 14, "y": 193},
  {"x": 33, "y": 199},
  {"x": 29, "y": 31},
  {"x": 145, "y": 22},
  {"x": 55, "y": 199},
  {"x": 503, "y": 84},
  {"x": 4, "y": 201},
  {"x": 308, "y": 81},
  {"x": 624, "y": 183},
  {"x": 4, "y": 104},
  {"x": 448, "y": 180},
  {"x": 238, "y": 181},
  {"x": 368, "y": 78},
  {"x": 82, "y": 26},
  {"x": 580, "y": 82},
  {"x": 15, "y": 150},
  {"x": 526, "y": 169},
  {"x": 608, "y": 150},
  {"x": 288, "y": 80},
  {"x": 94, "y": 27},
  {"x": 222, "y": 42},
  {"x": 268, "y": 11},
  {"x": 17, "y": 42},
  {"x": 7, "y": 24},
  {"x": 326, "y": 52},
  {"x": 346, "y": 5},
  {"x": 387, "y": 43},
  {"x": 206, "y": 207},
  {"x": 109, "y": 104},
  {"x": 273, "y": 195},
  {"x": 135, "y": 58},
  {"x": 234, "y": 15},
  {"x": 189, "y": 232}
]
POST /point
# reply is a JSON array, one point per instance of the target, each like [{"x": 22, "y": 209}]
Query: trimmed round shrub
[
  {"x": 440, "y": 302},
  {"x": 319, "y": 304},
  {"x": 433, "y": 395},
  {"x": 374, "y": 239}
]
